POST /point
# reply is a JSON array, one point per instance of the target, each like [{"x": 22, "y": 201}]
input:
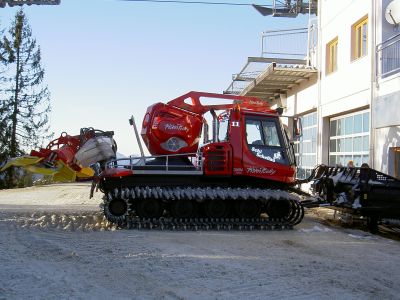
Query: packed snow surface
[{"x": 55, "y": 244}]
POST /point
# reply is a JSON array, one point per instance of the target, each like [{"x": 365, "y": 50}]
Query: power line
[{"x": 196, "y": 2}]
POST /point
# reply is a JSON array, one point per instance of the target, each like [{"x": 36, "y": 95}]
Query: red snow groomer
[
  {"x": 242, "y": 176},
  {"x": 68, "y": 158}
]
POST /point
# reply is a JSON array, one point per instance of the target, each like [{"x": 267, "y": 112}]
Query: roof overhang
[{"x": 277, "y": 77}]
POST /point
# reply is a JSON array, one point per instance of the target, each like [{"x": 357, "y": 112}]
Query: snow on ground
[
  {"x": 70, "y": 195},
  {"x": 42, "y": 258}
]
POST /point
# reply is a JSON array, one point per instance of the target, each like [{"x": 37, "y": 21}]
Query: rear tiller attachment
[{"x": 364, "y": 191}]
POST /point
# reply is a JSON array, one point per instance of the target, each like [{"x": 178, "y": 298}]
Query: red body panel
[
  {"x": 163, "y": 122},
  {"x": 261, "y": 168},
  {"x": 217, "y": 159},
  {"x": 114, "y": 172},
  {"x": 63, "y": 148},
  {"x": 245, "y": 163}
]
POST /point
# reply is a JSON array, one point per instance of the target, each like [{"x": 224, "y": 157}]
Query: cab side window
[
  {"x": 271, "y": 134},
  {"x": 254, "y": 133}
]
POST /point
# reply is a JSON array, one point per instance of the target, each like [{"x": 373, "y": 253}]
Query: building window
[
  {"x": 349, "y": 139},
  {"x": 331, "y": 56},
  {"x": 306, "y": 147},
  {"x": 359, "y": 38}
]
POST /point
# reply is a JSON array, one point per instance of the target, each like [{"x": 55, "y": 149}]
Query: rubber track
[
  {"x": 194, "y": 224},
  {"x": 169, "y": 194}
]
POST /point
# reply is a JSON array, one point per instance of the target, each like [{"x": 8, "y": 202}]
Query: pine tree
[
  {"x": 4, "y": 134},
  {"x": 27, "y": 100}
]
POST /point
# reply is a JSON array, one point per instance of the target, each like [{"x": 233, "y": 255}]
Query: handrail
[
  {"x": 388, "y": 40},
  {"x": 272, "y": 40},
  {"x": 140, "y": 161},
  {"x": 388, "y": 57}
]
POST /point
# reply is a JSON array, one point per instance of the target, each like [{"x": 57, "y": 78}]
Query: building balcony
[
  {"x": 388, "y": 57},
  {"x": 288, "y": 57}
]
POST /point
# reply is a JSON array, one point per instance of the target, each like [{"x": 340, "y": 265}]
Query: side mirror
[{"x": 297, "y": 128}]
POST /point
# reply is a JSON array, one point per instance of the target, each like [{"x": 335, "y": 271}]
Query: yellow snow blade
[
  {"x": 61, "y": 173},
  {"x": 64, "y": 173},
  {"x": 31, "y": 164},
  {"x": 41, "y": 170},
  {"x": 85, "y": 173},
  {"x": 21, "y": 162}
]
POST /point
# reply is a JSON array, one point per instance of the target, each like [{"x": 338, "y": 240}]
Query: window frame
[
  {"x": 332, "y": 56},
  {"x": 340, "y": 153},
  {"x": 357, "y": 50}
]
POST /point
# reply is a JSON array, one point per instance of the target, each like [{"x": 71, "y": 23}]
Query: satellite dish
[{"x": 392, "y": 12}]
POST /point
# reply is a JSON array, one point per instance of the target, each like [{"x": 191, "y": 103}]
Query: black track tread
[
  {"x": 195, "y": 224},
  {"x": 131, "y": 221}
]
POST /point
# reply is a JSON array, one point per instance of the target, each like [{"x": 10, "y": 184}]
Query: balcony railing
[
  {"x": 288, "y": 43},
  {"x": 388, "y": 57},
  {"x": 296, "y": 43},
  {"x": 288, "y": 47}
]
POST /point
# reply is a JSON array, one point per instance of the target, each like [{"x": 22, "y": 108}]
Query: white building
[{"x": 346, "y": 90}]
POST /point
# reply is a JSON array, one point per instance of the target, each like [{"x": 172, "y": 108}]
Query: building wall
[
  {"x": 386, "y": 140},
  {"x": 304, "y": 98},
  {"x": 386, "y": 102},
  {"x": 348, "y": 88},
  {"x": 385, "y": 112}
]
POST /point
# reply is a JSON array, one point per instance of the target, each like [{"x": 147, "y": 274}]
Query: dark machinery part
[
  {"x": 288, "y": 8},
  {"x": 361, "y": 191}
]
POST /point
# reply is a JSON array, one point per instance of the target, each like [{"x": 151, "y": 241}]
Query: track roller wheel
[
  {"x": 278, "y": 208},
  {"x": 115, "y": 211},
  {"x": 297, "y": 212},
  {"x": 149, "y": 209},
  {"x": 216, "y": 209},
  {"x": 248, "y": 209},
  {"x": 183, "y": 208}
]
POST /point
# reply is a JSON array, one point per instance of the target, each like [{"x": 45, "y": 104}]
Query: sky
[{"x": 106, "y": 60}]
